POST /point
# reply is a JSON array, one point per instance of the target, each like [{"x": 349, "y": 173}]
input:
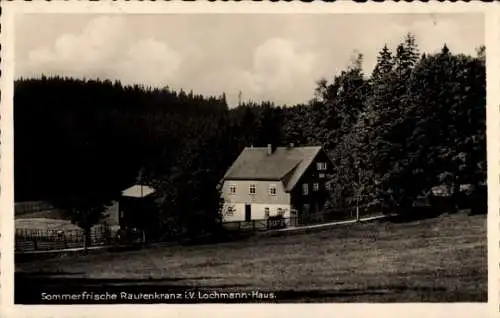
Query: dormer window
[
  {"x": 272, "y": 189},
  {"x": 321, "y": 166},
  {"x": 232, "y": 189},
  {"x": 252, "y": 189}
]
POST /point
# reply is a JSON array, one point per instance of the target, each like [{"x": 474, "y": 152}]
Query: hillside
[
  {"x": 55, "y": 219},
  {"x": 98, "y": 137}
]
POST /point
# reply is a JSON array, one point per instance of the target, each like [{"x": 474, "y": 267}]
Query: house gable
[
  {"x": 303, "y": 167},
  {"x": 312, "y": 172},
  {"x": 314, "y": 179}
]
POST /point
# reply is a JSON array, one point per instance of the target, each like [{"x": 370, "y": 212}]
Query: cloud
[
  {"x": 104, "y": 48},
  {"x": 280, "y": 72},
  {"x": 99, "y": 40},
  {"x": 148, "y": 62},
  {"x": 211, "y": 54}
]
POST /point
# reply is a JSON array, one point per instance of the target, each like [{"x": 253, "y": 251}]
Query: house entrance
[{"x": 248, "y": 212}]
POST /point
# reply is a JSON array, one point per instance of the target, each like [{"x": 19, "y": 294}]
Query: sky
[{"x": 273, "y": 57}]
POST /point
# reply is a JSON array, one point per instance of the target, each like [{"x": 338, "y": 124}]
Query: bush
[
  {"x": 479, "y": 201},
  {"x": 276, "y": 222},
  {"x": 129, "y": 236}
]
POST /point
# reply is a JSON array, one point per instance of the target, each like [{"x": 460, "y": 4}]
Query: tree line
[{"x": 417, "y": 121}]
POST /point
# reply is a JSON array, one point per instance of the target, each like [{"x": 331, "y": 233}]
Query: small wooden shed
[{"x": 137, "y": 207}]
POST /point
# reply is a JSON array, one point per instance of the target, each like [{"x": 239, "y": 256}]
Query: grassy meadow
[{"x": 433, "y": 260}]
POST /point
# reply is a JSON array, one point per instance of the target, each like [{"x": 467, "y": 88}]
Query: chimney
[{"x": 269, "y": 149}]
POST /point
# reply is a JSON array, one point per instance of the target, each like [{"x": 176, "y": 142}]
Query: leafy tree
[
  {"x": 85, "y": 211},
  {"x": 343, "y": 112}
]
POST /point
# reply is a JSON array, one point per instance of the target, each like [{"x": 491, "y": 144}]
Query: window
[
  {"x": 328, "y": 186},
  {"x": 315, "y": 186},
  {"x": 252, "y": 189},
  {"x": 321, "y": 165},
  {"x": 230, "y": 211},
  {"x": 281, "y": 212},
  {"x": 266, "y": 213},
  {"x": 232, "y": 189},
  {"x": 272, "y": 189},
  {"x": 305, "y": 189},
  {"x": 321, "y": 175}
]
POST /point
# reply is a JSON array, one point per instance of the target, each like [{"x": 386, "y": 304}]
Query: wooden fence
[
  {"x": 43, "y": 239},
  {"x": 257, "y": 225},
  {"x": 328, "y": 216},
  {"x": 40, "y": 239}
]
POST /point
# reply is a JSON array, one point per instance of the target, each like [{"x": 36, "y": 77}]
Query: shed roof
[{"x": 138, "y": 191}]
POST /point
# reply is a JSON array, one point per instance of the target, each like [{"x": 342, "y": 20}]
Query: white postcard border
[{"x": 492, "y": 20}]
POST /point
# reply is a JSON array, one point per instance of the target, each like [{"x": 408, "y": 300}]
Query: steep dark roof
[{"x": 285, "y": 164}]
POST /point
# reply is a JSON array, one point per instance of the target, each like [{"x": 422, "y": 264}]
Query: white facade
[
  {"x": 258, "y": 195},
  {"x": 233, "y": 212}
]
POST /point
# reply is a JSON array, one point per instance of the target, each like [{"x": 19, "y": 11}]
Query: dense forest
[{"x": 417, "y": 121}]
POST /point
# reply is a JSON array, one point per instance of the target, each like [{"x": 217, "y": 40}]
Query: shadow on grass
[
  {"x": 225, "y": 236},
  {"x": 413, "y": 215},
  {"x": 49, "y": 274},
  {"x": 66, "y": 279},
  {"x": 207, "y": 264},
  {"x": 21, "y": 257}
]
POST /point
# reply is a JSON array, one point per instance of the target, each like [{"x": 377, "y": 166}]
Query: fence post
[
  {"x": 357, "y": 208},
  {"x": 107, "y": 234}
]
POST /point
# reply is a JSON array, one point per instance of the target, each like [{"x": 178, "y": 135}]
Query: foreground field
[{"x": 438, "y": 260}]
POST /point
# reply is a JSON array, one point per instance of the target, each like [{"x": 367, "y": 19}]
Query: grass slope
[
  {"x": 56, "y": 219},
  {"x": 436, "y": 260}
]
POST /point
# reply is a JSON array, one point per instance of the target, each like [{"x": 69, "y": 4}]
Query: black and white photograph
[{"x": 176, "y": 158}]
